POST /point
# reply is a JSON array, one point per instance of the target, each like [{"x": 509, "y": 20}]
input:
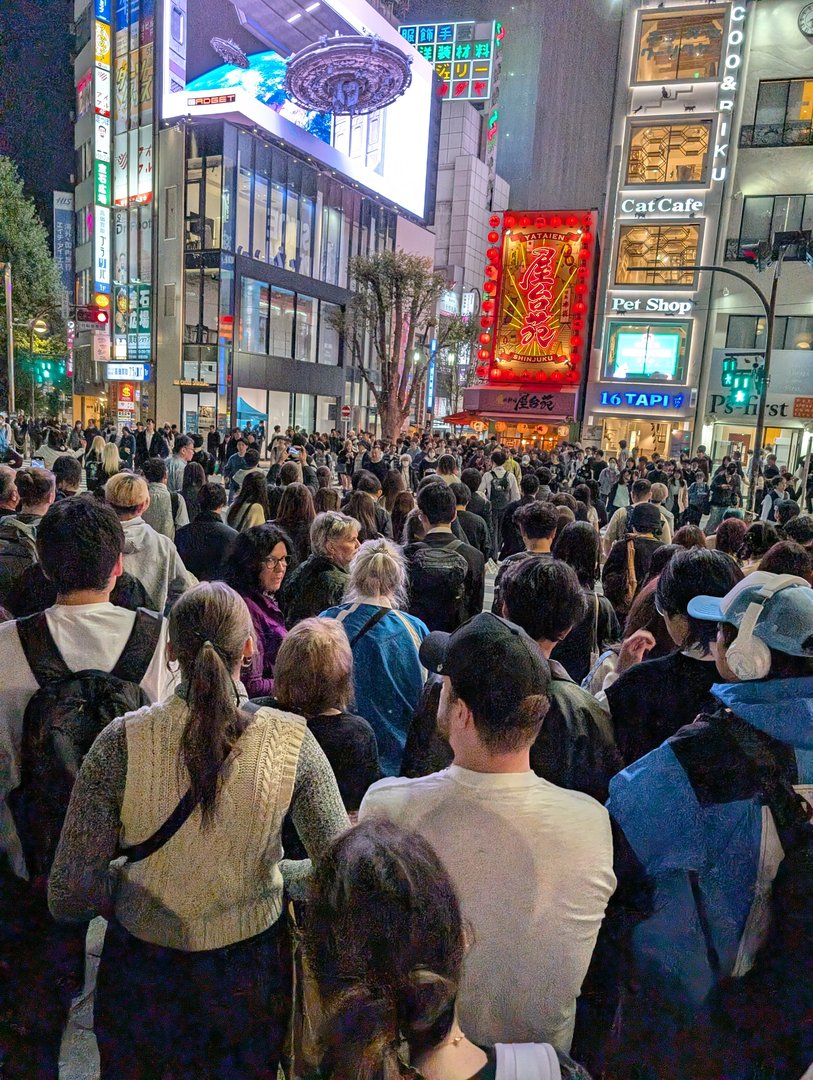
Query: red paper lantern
[
  {"x": 483, "y": 354},
  {"x": 556, "y": 221},
  {"x": 575, "y": 342},
  {"x": 581, "y": 289},
  {"x": 572, "y": 220},
  {"x": 494, "y": 221},
  {"x": 490, "y": 287},
  {"x": 579, "y": 306},
  {"x": 481, "y": 372},
  {"x": 525, "y": 222},
  {"x": 488, "y": 305},
  {"x": 486, "y": 321},
  {"x": 485, "y": 339},
  {"x": 493, "y": 254},
  {"x": 493, "y": 237},
  {"x": 509, "y": 221},
  {"x": 491, "y": 271}
]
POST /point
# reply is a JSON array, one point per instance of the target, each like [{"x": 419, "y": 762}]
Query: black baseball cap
[{"x": 492, "y": 663}]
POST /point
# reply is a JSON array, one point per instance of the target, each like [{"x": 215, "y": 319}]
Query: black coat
[
  {"x": 476, "y": 531},
  {"x": 203, "y": 544},
  {"x": 475, "y": 579}
]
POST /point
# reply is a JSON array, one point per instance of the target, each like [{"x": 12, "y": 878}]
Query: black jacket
[
  {"x": 479, "y": 504},
  {"x": 202, "y": 545},
  {"x": 511, "y": 540},
  {"x": 475, "y": 579},
  {"x": 314, "y": 586},
  {"x": 476, "y": 531}
]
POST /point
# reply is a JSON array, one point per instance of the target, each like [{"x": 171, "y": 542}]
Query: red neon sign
[{"x": 537, "y": 283}]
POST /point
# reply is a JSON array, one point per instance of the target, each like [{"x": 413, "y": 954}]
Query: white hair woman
[
  {"x": 387, "y": 672},
  {"x": 321, "y": 580},
  {"x": 194, "y": 943}
]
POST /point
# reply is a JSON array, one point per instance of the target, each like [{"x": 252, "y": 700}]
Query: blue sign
[
  {"x": 430, "y": 376},
  {"x": 122, "y": 14},
  {"x": 637, "y": 399},
  {"x": 63, "y": 238},
  {"x": 102, "y": 9}
]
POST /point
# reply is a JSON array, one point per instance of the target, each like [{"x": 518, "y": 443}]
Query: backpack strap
[
  {"x": 374, "y": 620},
  {"x": 40, "y": 649},
  {"x": 137, "y": 654}
]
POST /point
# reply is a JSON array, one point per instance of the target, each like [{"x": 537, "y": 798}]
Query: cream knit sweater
[{"x": 206, "y": 889}]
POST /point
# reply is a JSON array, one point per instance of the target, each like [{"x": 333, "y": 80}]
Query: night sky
[{"x": 37, "y": 95}]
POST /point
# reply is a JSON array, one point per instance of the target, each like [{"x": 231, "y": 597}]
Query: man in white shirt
[
  {"x": 80, "y": 544},
  {"x": 532, "y": 863},
  {"x": 501, "y": 488}
]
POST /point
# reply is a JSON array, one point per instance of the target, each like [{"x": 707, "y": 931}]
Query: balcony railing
[
  {"x": 799, "y": 133},
  {"x": 734, "y": 250}
]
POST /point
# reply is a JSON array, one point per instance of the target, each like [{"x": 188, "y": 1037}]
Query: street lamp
[
  {"x": 769, "y": 307},
  {"x": 39, "y": 326}
]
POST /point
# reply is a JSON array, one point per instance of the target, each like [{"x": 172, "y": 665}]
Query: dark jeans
[
  {"x": 222, "y": 1014},
  {"x": 497, "y": 517}
]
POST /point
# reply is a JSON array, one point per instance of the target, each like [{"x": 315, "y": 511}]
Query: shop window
[
  {"x": 764, "y": 215},
  {"x": 328, "y": 334},
  {"x": 669, "y": 153},
  {"x": 655, "y": 352},
  {"x": 242, "y": 238},
  {"x": 790, "y": 332},
  {"x": 675, "y": 46},
  {"x": 305, "y": 328},
  {"x": 645, "y": 253},
  {"x": 281, "y": 317},
  {"x": 784, "y": 114},
  {"x": 214, "y": 198},
  {"x": 254, "y": 311},
  {"x": 260, "y": 222}
]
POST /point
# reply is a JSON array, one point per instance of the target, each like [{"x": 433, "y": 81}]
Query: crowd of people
[{"x": 439, "y": 759}]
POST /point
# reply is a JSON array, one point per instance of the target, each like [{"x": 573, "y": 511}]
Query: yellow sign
[{"x": 102, "y": 44}]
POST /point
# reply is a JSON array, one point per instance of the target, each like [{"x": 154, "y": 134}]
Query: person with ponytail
[
  {"x": 385, "y": 940},
  {"x": 188, "y": 797}
]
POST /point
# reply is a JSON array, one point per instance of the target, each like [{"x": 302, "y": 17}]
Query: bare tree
[{"x": 393, "y": 307}]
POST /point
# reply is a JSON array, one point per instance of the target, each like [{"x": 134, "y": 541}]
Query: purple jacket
[{"x": 269, "y": 628}]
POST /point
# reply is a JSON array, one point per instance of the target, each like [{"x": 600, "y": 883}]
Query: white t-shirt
[
  {"x": 87, "y": 636},
  {"x": 532, "y": 865}
]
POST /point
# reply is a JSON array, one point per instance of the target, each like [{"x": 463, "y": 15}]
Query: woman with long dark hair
[
  {"x": 361, "y": 506},
  {"x": 255, "y": 566},
  {"x": 250, "y": 508},
  {"x": 194, "y": 477},
  {"x": 385, "y": 940},
  {"x": 294, "y": 516},
  {"x": 195, "y": 947}
]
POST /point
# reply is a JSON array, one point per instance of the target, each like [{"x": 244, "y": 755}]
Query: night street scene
[{"x": 406, "y": 540}]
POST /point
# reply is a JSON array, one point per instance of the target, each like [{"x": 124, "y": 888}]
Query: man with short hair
[
  {"x": 660, "y": 493},
  {"x": 181, "y": 456},
  {"x": 436, "y": 503},
  {"x": 235, "y": 463},
  {"x": 252, "y": 459},
  {"x": 375, "y": 463},
  {"x": 149, "y": 556},
  {"x": 166, "y": 510},
  {"x": 775, "y": 494},
  {"x": 531, "y": 863},
  {"x": 617, "y": 528},
  {"x": 474, "y": 527},
  {"x": 202, "y": 545},
  {"x": 68, "y": 475},
  {"x": 511, "y": 540},
  {"x": 576, "y": 747},
  {"x": 500, "y": 487},
  {"x": 80, "y": 545},
  {"x": 478, "y": 504},
  {"x": 537, "y": 523}
]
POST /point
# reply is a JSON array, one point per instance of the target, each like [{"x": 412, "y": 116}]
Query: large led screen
[
  {"x": 639, "y": 351},
  {"x": 217, "y": 62}
]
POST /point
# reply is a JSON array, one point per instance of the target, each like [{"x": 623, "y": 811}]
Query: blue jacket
[
  {"x": 691, "y": 821},
  {"x": 387, "y": 675}
]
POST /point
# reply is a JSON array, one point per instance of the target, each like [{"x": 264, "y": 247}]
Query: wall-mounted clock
[{"x": 806, "y": 20}]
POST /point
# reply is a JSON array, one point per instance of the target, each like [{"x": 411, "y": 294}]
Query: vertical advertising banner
[
  {"x": 102, "y": 161},
  {"x": 63, "y": 238},
  {"x": 101, "y": 249}
]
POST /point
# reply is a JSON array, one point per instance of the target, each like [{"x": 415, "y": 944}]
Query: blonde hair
[
  {"x": 659, "y": 492},
  {"x": 98, "y": 445},
  {"x": 111, "y": 461},
  {"x": 378, "y": 570},
  {"x": 331, "y": 525},
  {"x": 126, "y": 491},
  {"x": 314, "y": 668}
]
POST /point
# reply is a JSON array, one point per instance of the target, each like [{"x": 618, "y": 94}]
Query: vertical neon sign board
[{"x": 536, "y": 295}]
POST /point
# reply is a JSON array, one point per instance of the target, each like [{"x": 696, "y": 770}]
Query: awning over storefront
[
  {"x": 460, "y": 419},
  {"x": 518, "y": 404},
  {"x": 248, "y": 412}
]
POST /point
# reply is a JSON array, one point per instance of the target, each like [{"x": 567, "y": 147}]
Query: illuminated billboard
[
  {"x": 536, "y": 296},
  {"x": 462, "y": 54},
  {"x": 226, "y": 58}
]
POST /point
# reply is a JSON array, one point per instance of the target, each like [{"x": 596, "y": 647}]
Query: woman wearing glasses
[
  {"x": 320, "y": 581},
  {"x": 256, "y": 565}
]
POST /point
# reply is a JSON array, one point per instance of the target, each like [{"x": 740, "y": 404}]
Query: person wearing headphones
[{"x": 701, "y": 825}]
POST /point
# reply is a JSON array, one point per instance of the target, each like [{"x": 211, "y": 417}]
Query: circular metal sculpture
[{"x": 347, "y": 75}]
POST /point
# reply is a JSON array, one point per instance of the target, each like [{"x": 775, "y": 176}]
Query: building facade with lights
[
  {"x": 219, "y": 215},
  {"x": 694, "y": 81}
]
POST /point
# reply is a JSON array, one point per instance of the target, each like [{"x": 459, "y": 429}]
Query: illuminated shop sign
[
  {"x": 538, "y": 278},
  {"x": 101, "y": 249},
  {"x": 133, "y": 372},
  {"x": 728, "y": 90},
  {"x": 642, "y": 399},
  {"x": 652, "y": 303},
  {"x": 666, "y": 205},
  {"x": 462, "y": 54}
]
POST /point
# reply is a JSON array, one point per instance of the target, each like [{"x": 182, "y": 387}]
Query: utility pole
[{"x": 9, "y": 338}]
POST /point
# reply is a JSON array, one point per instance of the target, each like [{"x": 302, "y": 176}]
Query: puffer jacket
[{"x": 315, "y": 585}]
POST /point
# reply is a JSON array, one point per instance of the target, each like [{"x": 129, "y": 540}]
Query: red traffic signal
[{"x": 92, "y": 317}]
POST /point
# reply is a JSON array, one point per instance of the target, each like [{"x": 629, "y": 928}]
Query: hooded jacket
[
  {"x": 690, "y": 823},
  {"x": 151, "y": 558},
  {"x": 18, "y": 549}
]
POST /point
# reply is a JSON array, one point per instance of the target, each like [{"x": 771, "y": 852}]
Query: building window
[
  {"x": 646, "y": 251},
  {"x": 328, "y": 352},
  {"x": 784, "y": 114},
  {"x": 305, "y": 329},
  {"x": 254, "y": 301},
  {"x": 764, "y": 215},
  {"x": 790, "y": 332},
  {"x": 281, "y": 321},
  {"x": 655, "y": 352},
  {"x": 673, "y": 46},
  {"x": 669, "y": 153}
]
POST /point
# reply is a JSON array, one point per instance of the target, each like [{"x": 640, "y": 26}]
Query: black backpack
[
  {"x": 60, "y": 723},
  {"x": 437, "y": 579},
  {"x": 500, "y": 491}
]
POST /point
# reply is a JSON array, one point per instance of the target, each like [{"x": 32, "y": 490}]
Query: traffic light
[
  {"x": 759, "y": 255},
  {"x": 729, "y": 371},
  {"x": 741, "y": 388},
  {"x": 93, "y": 317}
]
